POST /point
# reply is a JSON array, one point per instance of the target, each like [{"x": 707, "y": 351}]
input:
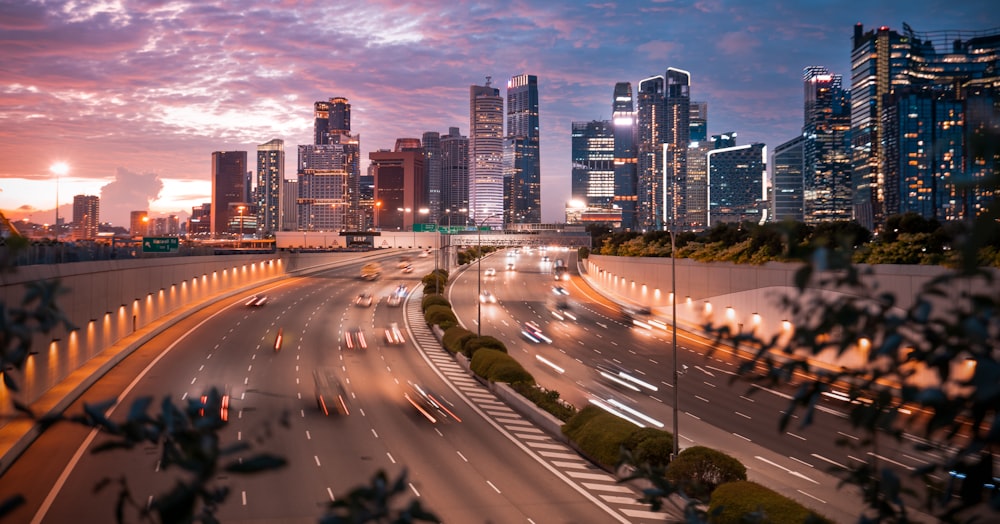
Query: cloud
[{"x": 128, "y": 192}]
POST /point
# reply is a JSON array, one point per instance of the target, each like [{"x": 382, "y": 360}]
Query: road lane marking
[{"x": 493, "y": 486}]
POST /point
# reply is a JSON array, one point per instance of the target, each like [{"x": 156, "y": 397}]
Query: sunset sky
[{"x": 135, "y": 95}]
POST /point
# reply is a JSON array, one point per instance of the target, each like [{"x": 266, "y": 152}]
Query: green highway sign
[
  {"x": 426, "y": 228},
  {"x": 160, "y": 244}
]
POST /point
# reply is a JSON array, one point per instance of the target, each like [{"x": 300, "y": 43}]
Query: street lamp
[
  {"x": 240, "y": 209},
  {"x": 423, "y": 211},
  {"x": 479, "y": 269},
  {"x": 673, "y": 298},
  {"x": 378, "y": 212}
]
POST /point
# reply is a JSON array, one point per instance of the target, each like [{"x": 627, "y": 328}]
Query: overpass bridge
[{"x": 468, "y": 237}]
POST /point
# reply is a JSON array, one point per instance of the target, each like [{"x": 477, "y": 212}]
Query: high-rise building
[
  {"x": 324, "y": 176},
  {"x": 737, "y": 184},
  {"x": 523, "y": 193},
  {"x": 699, "y": 121},
  {"x": 289, "y": 212},
  {"x": 86, "y": 216},
  {"x": 200, "y": 223},
  {"x": 787, "y": 168},
  {"x": 697, "y": 184},
  {"x": 138, "y": 223},
  {"x": 593, "y": 163},
  {"x": 399, "y": 185},
  {"x": 229, "y": 187},
  {"x": 664, "y": 114},
  {"x": 270, "y": 175},
  {"x": 623, "y": 120},
  {"x": 910, "y": 121},
  {"x": 332, "y": 125},
  {"x": 827, "y": 190},
  {"x": 650, "y": 134},
  {"x": 486, "y": 144},
  {"x": 455, "y": 177},
  {"x": 431, "y": 143}
]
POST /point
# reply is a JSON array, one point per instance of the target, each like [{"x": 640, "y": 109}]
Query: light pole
[
  {"x": 240, "y": 209},
  {"x": 673, "y": 299},
  {"x": 479, "y": 269},
  {"x": 378, "y": 212},
  {"x": 423, "y": 211},
  {"x": 58, "y": 169}
]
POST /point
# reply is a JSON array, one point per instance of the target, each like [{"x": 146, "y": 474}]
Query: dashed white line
[
  {"x": 794, "y": 435},
  {"x": 742, "y": 437},
  {"x": 308, "y": 435},
  {"x": 742, "y": 415},
  {"x": 493, "y": 486},
  {"x": 317, "y": 459},
  {"x": 390, "y": 457}
]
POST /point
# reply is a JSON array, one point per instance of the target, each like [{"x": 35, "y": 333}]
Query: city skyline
[{"x": 135, "y": 98}]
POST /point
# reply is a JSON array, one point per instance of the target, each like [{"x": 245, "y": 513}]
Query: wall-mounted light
[{"x": 756, "y": 318}]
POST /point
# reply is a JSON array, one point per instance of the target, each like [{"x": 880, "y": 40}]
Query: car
[
  {"x": 424, "y": 254},
  {"x": 403, "y": 262},
  {"x": 256, "y": 301},
  {"x": 428, "y": 404},
  {"x": 363, "y": 300},
  {"x": 400, "y": 290},
  {"x": 559, "y": 290},
  {"x": 330, "y": 394},
  {"x": 487, "y": 298},
  {"x": 510, "y": 267},
  {"x": 545, "y": 258},
  {"x": 534, "y": 333},
  {"x": 489, "y": 272},
  {"x": 408, "y": 269},
  {"x": 355, "y": 339},
  {"x": 215, "y": 401},
  {"x": 393, "y": 335},
  {"x": 393, "y": 300}
]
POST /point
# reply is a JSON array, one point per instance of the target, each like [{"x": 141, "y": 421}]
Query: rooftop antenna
[{"x": 488, "y": 80}]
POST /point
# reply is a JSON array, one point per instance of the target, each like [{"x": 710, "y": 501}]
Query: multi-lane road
[
  {"x": 594, "y": 336},
  {"x": 476, "y": 461},
  {"x": 463, "y": 464}
]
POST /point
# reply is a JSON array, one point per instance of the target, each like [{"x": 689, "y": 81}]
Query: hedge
[
  {"x": 650, "y": 446},
  {"x": 439, "y": 314},
  {"x": 599, "y": 434},
  {"x": 471, "y": 345},
  {"x": 433, "y": 299},
  {"x": 547, "y": 399},
  {"x": 699, "y": 470},
  {"x": 454, "y": 337},
  {"x": 732, "y": 502},
  {"x": 497, "y": 366}
]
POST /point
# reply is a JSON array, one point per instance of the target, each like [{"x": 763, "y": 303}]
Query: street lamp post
[
  {"x": 378, "y": 213},
  {"x": 673, "y": 300},
  {"x": 479, "y": 270},
  {"x": 58, "y": 169},
  {"x": 240, "y": 209}
]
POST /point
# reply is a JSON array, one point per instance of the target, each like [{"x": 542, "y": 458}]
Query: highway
[
  {"x": 464, "y": 470},
  {"x": 715, "y": 410}
]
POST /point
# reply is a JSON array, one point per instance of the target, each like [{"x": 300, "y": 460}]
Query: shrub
[
  {"x": 733, "y": 502},
  {"x": 438, "y": 314},
  {"x": 454, "y": 337},
  {"x": 497, "y": 366},
  {"x": 547, "y": 399},
  {"x": 472, "y": 345},
  {"x": 599, "y": 434},
  {"x": 435, "y": 282},
  {"x": 699, "y": 470},
  {"x": 650, "y": 446},
  {"x": 433, "y": 299}
]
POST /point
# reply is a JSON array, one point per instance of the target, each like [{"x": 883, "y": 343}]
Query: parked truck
[{"x": 371, "y": 271}]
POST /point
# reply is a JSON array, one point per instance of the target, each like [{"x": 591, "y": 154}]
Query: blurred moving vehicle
[
  {"x": 363, "y": 300},
  {"x": 510, "y": 266},
  {"x": 428, "y": 404},
  {"x": 560, "y": 272},
  {"x": 489, "y": 272},
  {"x": 408, "y": 268},
  {"x": 215, "y": 401},
  {"x": 393, "y": 335},
  {"x": 393, "y": 300},
  {"x": 487, "y": 298},
  {"x": 534, "y": 333},
  {"x": 403, "y": 262},
  {"x": 371, "y": 271},
  {"x": 330, "y": 394},
  {"x": 355, "y": 339},
  {"x": 256, "y": 301}
]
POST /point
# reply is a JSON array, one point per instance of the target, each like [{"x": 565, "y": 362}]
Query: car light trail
[
  {"x": 619, "y": 381},
  {"x": 549, "y": 363},
  {"x": 635, "y": 412}
]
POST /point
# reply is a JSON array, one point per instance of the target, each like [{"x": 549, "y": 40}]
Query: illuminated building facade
[
  {"x": 86, "y": 216},
  {"x": 522, "y": 180},
  {"x": 486, "y": 146},
  {"x": 230, "y": 185},
  {"x": 623, "y": 121},
  {"x": 270, "y": 176},
  {"x": 593, "y": 163},
  {"x": 737, "y": 184},
  {"x": 827, "y": 186}
]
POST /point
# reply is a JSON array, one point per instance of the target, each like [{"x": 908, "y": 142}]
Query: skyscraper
[
  {"x": 431, "y": 143},
  {"x": 787, "y": 166},
  {"x": 270, "y": 175},
  {"x": 86, "y": 216},
  {"x": 737, "y": 184},
  {"x": 915, "y": 109},
  {"x": 486, "y": 155},
  {"x": 332, "y": 125},
  {"x": 623, "y": 120},
  {"x": 593, "y": 163},
  {"x": 664, "y": 111},
  {"x": 523, "y": 182},
  {"x": 827, "y": 189},
  {"x": 324, "y": 177},
  {"x": 229, "y": 181},
  {"x": 289, "y": 212},
  {"x": 455, "y": 176}
]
